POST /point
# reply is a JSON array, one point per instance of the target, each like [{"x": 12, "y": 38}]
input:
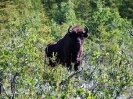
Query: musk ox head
[{"x": 77, "y": 33}]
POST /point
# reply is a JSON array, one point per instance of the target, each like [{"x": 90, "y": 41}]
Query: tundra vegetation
[{"x": 27, "y": 26}]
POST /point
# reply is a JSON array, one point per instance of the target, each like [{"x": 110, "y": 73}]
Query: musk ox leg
[
  {"x": 67, "y": 59},
  {"x": 51, "y": 63},
  {"x": 50, "y": 51},
  {"x": 76, "y": 66},
  {"x": 68, "y": 63},
  {"x": 69, "y": 66}
]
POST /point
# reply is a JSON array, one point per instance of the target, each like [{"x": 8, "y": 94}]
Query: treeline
[
  {"x": 27, "y": 26},
  {"x": 85, "y": 8}
]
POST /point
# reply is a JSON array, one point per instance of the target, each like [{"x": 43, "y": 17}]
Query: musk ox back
[{"x": 69, "y": 49}]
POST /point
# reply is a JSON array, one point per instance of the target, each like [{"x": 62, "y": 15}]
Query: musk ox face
[{"x": 77, "y": 33}]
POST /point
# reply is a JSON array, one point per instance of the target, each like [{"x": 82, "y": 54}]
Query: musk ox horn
[{"x": 69, "y": 29}]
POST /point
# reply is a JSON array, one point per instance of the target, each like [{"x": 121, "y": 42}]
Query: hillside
[{"x": 27, "y": 26}]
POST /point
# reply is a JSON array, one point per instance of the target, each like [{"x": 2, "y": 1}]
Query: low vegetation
[{"x": 27, "y": 26}]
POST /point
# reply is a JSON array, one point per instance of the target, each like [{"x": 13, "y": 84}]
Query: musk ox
[{"x": 69, "y": 49}]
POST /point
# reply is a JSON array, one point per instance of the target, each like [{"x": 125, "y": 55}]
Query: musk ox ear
[
  {"x": 86, "y": 31},
  {"x": 69, "y": 29}
]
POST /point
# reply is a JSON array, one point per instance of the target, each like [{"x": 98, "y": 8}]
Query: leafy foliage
[{"x": 27, "y": 26}]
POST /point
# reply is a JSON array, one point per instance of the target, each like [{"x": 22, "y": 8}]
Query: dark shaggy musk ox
[{"x": 69, "y": 49}]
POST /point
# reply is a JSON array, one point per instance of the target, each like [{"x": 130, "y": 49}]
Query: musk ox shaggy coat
[{"x": 69, "y": 49}]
